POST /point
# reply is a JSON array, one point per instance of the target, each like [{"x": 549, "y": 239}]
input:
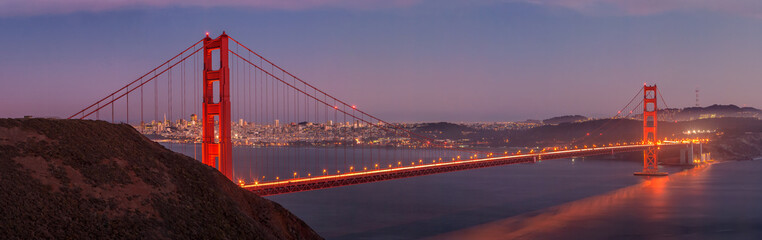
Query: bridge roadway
[{"x": 352, "y": 178}]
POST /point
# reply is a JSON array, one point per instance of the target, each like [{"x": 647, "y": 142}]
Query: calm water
[{"x": 590, "y": 198}]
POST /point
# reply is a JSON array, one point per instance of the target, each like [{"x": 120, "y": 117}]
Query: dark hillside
[
  {"x": 564, "y": 119},
  {"x": 627, "y": 130},
  {"x": 445, "y": 130},
  {"x": 75, "y": 179}
]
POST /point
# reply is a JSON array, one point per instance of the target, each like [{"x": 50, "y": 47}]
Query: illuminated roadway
[{"x": 352, "y": 178}]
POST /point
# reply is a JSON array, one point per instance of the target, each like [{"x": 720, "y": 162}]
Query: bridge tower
[
  {"x": 216, "y": 150},
  {"x": 650, "y": 155}
]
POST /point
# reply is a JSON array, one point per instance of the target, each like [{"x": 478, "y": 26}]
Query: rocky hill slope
[{"x": 78, "y": 179}]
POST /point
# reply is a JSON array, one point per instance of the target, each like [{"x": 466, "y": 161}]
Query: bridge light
[{"x": 354, "y": 107}]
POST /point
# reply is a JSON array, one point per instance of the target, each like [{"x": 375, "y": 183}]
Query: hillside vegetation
[{"x": 81, "y": 179}]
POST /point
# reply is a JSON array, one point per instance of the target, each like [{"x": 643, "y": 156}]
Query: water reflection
[{"x": 603, "y": 216}]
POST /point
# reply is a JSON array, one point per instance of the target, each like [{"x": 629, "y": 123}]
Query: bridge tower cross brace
[
  {"x": 216, "y": 150},
  {"x": 650, "y": 155}
]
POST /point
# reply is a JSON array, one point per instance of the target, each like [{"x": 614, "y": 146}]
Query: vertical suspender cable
[{"x": 127, "y": 99}]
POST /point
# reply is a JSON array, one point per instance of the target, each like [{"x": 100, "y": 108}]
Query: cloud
[
  {"x": 747, "y": 8},
  {"x": 45, "y": 7}
]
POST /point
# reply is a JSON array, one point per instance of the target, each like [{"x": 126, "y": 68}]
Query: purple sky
[{"x": 402, "y": 60}]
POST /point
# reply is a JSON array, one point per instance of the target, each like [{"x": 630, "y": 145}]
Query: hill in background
[
  {"x": 713, "y": 111},
  {"x": 565, "y": 119}
]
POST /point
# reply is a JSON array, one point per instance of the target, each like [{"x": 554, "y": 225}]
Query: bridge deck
[{"x": 352, "y": 178}]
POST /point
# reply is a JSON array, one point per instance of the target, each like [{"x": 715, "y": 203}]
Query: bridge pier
[
  {"x": 688, "y": 155},
  {"x": 650, "y": 163}
]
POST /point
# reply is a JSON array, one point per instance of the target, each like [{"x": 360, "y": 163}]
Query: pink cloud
[
  {"x": 43, "y": 7},
  {"x": 747, "y": 8}
]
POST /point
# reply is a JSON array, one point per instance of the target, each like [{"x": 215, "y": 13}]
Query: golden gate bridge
[{"x": 281, "y": 114}]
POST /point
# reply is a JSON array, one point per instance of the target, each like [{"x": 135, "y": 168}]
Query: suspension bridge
[{"x": 219, "y": 93}]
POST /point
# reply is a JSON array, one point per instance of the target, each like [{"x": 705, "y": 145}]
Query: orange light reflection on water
[{"x": 652, "y": 196}]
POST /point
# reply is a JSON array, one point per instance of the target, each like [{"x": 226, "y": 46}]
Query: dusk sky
[{"x": 402, "y": 60}]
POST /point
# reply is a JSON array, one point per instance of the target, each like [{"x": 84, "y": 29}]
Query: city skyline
[{"x": 423, "y": 61}]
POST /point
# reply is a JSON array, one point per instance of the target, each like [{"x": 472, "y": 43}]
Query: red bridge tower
[
  {"x": 216, "y": 150},
  {"x": 650, "y": 155}
]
